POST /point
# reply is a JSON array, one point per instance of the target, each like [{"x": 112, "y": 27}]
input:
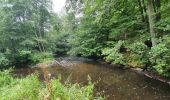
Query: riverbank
[
  {"x": 151, "y": 75},
  {"x": 110, "y": 81},
  {"x": 31, "y": 88},
  {"x": 71, "y": 61},
  {"x": 146, "y": 73}
]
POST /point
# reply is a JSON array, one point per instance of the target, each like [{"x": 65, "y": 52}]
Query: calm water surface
[{"x": 113, "y": 83}]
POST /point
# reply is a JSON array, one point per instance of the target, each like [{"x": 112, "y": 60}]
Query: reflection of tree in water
[{"x": 111, "y": 82}]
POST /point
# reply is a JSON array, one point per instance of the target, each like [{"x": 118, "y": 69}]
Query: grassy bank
[{"x": 30, "y": 88}]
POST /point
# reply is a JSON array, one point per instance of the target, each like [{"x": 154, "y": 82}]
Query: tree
[
  {"x": 151, "y": 19},
  {"x": 25, "y": 26}
]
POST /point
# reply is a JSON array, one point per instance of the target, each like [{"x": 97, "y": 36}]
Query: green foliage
[
  {"x": 106, "y": 21},
  {"x": 5, "y": 78},
  {"x": 25, "y": 29},
  {"x": 159, "y": 58},
  {"x": 138, "y": 48},
  {"x": 26, "y": 88},
  {"x": 29, "y": 29},
  {"x": 72, "y": 91},
  {"x": 31, "y": 88},
  {"x": 113, "y": 54},
  {"x": 138, "y": 56},
  {"x": 41, "y": 57},
  {"x": 165, "y": 40},
  {"x": 3, "y": 61},
  {"x": 23, "y": 57}
]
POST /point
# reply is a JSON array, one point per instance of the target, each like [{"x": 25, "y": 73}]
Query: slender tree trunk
[
  {"x": 40, "y": 36},
  {"x": 39, "y": 46},
  {"x": 150, "y": 11},
  {"x": 37, "y": 28}
]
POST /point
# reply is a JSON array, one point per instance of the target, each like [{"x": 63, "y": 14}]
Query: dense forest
[
  {"x": 134, "y": 33},
  {"x": 128, "y": 32}
]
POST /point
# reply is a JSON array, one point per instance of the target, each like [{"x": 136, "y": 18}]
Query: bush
[
  {"x": 41, "y": 57},
  {"x": 72, "y": 91},
  {"x": 26, "y": 88},
  {"x": 160, "y": 59},
  {"x": 23, "y": 57},
  {"x": 138, "y": 55},
  {"x": 138, "y": 48},
  {"x": 5, "y": 78},
  {"x": 30, "y": 88},
  {"x": 3, "y": 61},
  {"x": 113, "y": 54},
  {"x": 19, "y": 89}
]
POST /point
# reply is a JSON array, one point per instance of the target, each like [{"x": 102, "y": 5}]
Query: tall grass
[{"x": 30, "y": 88}]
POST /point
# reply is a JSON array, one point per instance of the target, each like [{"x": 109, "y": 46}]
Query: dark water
[{"x": 113, "y": 83}]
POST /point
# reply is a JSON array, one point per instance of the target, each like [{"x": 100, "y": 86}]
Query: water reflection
[{"x": 113, "y": 83}]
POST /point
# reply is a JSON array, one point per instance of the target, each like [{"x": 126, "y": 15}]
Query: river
[{"x": 112, "y": 82}]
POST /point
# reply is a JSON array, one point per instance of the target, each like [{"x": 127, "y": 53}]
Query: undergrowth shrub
[
  {"x": 41, "y": 57},
  {"x": 159, "y": 57},
  {"x": 113, "y": 54},
  {"x": 4, "y": 62},
  {"x": 22, "y": 57},
  {"x": 22, "y": 89},
  {"x": 138, "y": 56},
  {"x": 5, "y": 78},
  {"x": 72, "y": 91},
  {"x": 26, "y": 57},
  {"x": 30, "y": 88}
]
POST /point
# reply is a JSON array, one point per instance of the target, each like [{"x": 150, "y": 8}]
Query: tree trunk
[
  {"x": 150, "y": 11},
  {"x": 37, "y": 41},
  {"x": 40, "y": 37}
]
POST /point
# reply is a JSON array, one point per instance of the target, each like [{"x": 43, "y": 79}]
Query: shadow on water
[{"x": 113, "y": 83}]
